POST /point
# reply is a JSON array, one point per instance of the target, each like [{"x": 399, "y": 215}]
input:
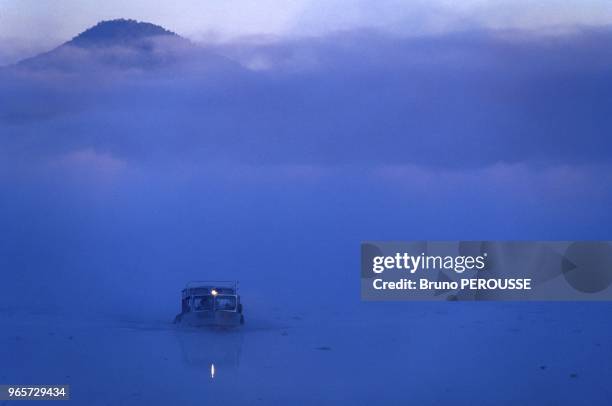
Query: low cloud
[
  {"x": 461, "y": 100},
  {"x": 113, "y": 174},
  {"x": 90, "y": 160}
]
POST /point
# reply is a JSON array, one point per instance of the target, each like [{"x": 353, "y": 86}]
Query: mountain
[
  {"x": 127, "y": 44},
  {"x": 120, "y": 33}
]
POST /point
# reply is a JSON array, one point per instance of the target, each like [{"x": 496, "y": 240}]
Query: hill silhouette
[{"x": 126, "y": 44}]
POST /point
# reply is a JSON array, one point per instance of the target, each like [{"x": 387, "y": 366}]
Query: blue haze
[{"x": 126, "y": 171}]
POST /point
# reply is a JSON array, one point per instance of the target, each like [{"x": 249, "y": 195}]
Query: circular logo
[{"x": 587, "y": 266}]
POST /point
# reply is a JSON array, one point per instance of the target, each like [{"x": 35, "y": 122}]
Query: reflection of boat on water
[
  {"x": 215, "y": 305},
  {"x": 205, "y": 348},
  {"x": 210, "y": 303}
]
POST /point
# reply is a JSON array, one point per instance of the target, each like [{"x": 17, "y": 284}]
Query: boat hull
[{"x": 210, "y": 318}]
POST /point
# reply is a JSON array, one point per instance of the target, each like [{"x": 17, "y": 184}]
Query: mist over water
[
  {"x": 128, "y": 169},
  {"x": 269, "y": 164}
]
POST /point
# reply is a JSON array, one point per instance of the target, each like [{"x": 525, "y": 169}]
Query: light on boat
[
  {"x": 212, "y": 371},
  {"x": 214, "y": 292}
]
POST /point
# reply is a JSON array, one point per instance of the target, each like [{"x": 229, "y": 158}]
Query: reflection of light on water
[{"x": 212, "y": 370}]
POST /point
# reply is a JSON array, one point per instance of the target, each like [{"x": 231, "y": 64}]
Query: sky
[{"x": 29, "y": 26}]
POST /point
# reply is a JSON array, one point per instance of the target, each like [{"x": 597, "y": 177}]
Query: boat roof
[{"x": 198, "y": 288}]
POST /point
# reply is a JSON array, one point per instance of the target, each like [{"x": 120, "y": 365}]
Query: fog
[{"x": 123, "y": 178}]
